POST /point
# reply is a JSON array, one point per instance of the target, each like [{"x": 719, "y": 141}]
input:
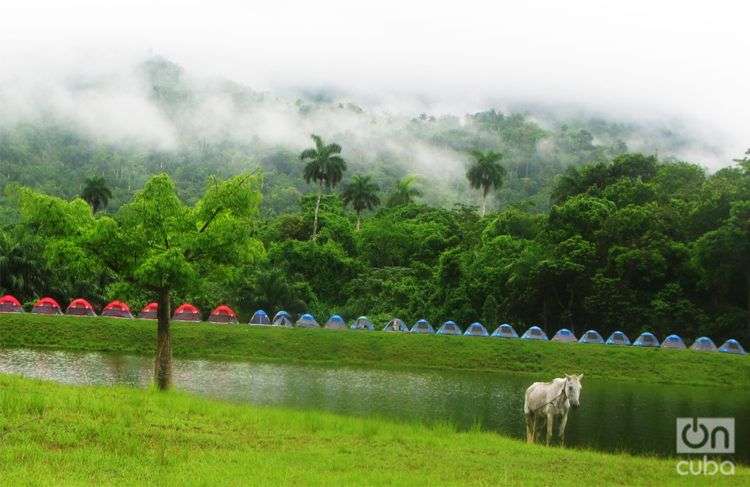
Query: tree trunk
[
  {"x": 163, "y": 361},
  {"x": 359, "y": 222},
  {"x": 484, "y": 204},
  {"x": 317, "y": 208}
]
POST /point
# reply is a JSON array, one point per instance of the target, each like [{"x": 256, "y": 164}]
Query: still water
[{"x": 632, "y": 417}]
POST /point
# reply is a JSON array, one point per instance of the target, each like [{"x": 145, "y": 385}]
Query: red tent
[
  {"x": 46, "y": 306},
  {"x": 149, "y": 311},
  {"x": 117, "y": 309},
  {"x": 186, "y": 312},
  {"x": 9, "y": 304},
  {"x": 80, "y": 307},
  {"x": 223, "y": 314}
]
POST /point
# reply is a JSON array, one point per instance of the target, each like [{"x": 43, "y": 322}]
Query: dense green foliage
[
  {"x": 63, "y": 435},
  {"x": 633, "y": 244},
  {"x": 538, "y": 360},
  {"x": 578, "y": 232}
]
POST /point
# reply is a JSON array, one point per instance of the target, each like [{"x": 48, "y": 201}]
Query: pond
[{"x": 638, "y": 418}]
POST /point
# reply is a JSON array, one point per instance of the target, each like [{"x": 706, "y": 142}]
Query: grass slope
[
  {"x": 242, "y": 342},
  {"x": 54, "y": 434}
]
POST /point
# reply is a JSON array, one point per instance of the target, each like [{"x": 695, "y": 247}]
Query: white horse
[{"x": 546, "y": 400}]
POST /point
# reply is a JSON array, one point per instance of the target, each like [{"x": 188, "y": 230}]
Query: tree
[
  {"x": 404, "y": 192},
  {"x": 324, "y": 166},
  {"x": 361, "y": 194},
  {"x": 96, "y": 193},
  {"x": 485, "y": 173},
  {"x": 159, "y": 245}
]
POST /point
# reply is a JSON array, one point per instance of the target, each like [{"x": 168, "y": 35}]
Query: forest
[{"x": 561, "y": 225}]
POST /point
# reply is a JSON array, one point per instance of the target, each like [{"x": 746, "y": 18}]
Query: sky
[{"x": 641, "y": 60}]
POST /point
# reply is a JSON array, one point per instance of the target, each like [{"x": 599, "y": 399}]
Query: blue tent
[
  {"x": 335, "y": 322},
  {"x": 282, "y": 318},
  {"x": 591, "y": 336},
  {"x": 422, "y": 326},
  {"x": 363, "y": 323},
  {"x": 703, "y": 344},
  {"x": 646, "y": 339},
  {"x": 673, "y": 341},
  {"x": 534, "y": 333},
  {"x": 476, "y": 329},
  {"x": 505, "y": 331},
  {"x": 260, "y": 318},
  {"x": 564, "y": 335},
  {"x": 396, "y": 324},
  {"x": 732, "y": 346},
  {"x": 307, "y": 321},
  {"x": 618, "y": 338},
  {"x": 449, "y": 328}
]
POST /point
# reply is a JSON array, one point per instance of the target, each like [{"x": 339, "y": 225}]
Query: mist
[{"x": 672, "y": 67}]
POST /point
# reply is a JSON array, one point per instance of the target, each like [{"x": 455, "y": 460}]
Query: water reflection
[{"x": 614, "y": 416}]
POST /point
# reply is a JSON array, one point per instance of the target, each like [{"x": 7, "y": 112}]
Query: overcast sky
[{"x": 638, "y": 59}]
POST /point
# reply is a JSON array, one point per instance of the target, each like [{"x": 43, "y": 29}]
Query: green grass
[
  {"x": 53, "y": 434},
  {"x": 242, "y": 342}
]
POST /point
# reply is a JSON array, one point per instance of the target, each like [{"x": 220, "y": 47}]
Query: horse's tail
[{"x": 526, "y": 407}]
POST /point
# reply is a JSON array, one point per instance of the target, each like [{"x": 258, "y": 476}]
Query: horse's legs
[
  {"x": 563, "y": 422},
  {"x": 550, "y": 426},
  {"x": 530, "y": 420}
]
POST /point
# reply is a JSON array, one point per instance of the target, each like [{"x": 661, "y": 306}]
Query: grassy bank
[
  {"x": 54, "y": 434},
  {"x": 242, "y": 342}
]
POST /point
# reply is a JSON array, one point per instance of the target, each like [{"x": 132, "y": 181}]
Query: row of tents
[{"x": 225, "y": 314}]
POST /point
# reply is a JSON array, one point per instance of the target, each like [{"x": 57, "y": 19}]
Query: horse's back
[{"x": 536, "y": 395}]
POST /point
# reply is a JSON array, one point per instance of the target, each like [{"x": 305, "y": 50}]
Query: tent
[
  {"x": 46, "y": 306},
  {"x": 80, "y": 307},
  {"x": 505, "y": 331},
  {"x": 186, "y": 312},
  {"x": 282, "y": 318},
  {"x": 476, "y": 329},
  {"x": 363, "y": 323},
  {"x": 534, "y": 333},
  {"x": 335, "y": 322},
  {"x": 673, "y": 341},
  {"x": 618, "y": 338},
  {"x": 222, "y": 314},
  {"x": 117, "y": 309},
  {"x": 564, "y": 335},
  {"x": 307, "y": 321},
  {"x": 703, "y": 344},
  {"x": 9, "y": 304},
  {"x": 422, "y": 326},
  {"x": 396, "y": 324},
  {"x": 732, "y": 346},
  {"x": 449, "y": 328},
  {"x": 149, "y": 311},
  {"x": 591, "y": 336},
  {"x": 260, "y": 317},
  {"x": 646, "y": 339}
]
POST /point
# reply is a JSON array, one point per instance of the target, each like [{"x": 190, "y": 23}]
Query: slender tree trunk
[
  {"x": 317, "y": 208},
  {"x": 163, "y": 361},
  {"x": 484, "y": 204},
  {"x": 359, "y": 221}
]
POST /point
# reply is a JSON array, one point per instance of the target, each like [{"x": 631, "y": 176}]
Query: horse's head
[{"x": 573, "y": 389}]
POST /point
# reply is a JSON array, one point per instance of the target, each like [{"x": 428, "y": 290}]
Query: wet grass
[
  {"x": 377, "y": 349},
  {"x": 59, "y": 435}
]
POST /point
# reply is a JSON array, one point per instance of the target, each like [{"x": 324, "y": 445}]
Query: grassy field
[
  {"x": 53, "y": 434},
  {"x": 242, "y": 342}
]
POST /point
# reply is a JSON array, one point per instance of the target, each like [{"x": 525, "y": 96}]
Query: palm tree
[
  {"x": 404, "y": 192},
  {"x": 324, "y": 166},
  {"x": 485, "y": 173},
  {"x": 361, "y": 194},
  {"x": 96, "y": 193}
]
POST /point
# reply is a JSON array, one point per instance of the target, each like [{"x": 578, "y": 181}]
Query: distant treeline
[{"x": 630, "y": 243}]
